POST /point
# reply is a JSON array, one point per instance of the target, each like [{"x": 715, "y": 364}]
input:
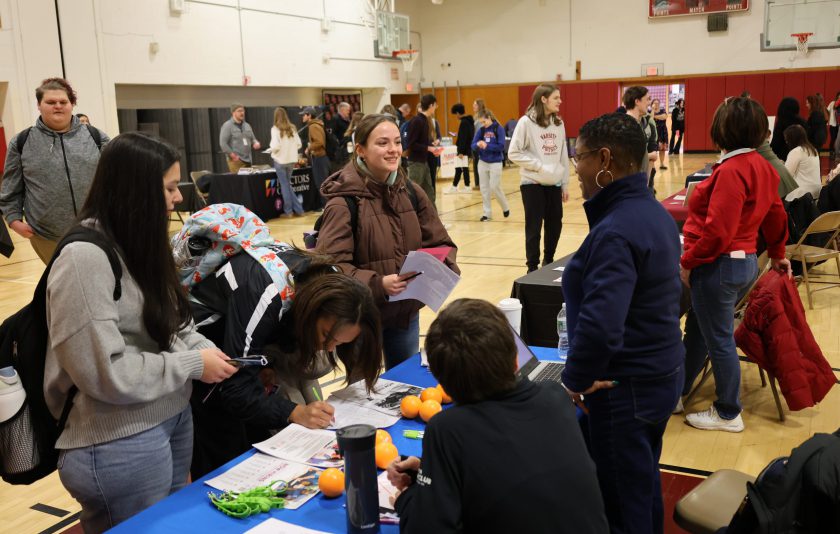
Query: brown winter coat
[
  {"x": 317, "y": 138},
  {"x": 387, "y": 229}
]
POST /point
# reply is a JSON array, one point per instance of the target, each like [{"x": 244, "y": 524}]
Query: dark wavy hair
[
  {"x": 471, "y": 350},
  {"x": 126, "y": 198},
  {"x": 621, "y": 134},
  {"x": 796, "y": 136},
  {"x": 327, "y": 294},
  {"x": 55, "y": 84}
]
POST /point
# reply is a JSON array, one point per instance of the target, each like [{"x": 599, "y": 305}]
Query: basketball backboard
[
  {"x": 392, "y": 33},
  {"x": 785, "y": 17}
]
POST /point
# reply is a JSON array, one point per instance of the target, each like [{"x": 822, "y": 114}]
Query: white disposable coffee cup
[{"x": 512, "y": 309}]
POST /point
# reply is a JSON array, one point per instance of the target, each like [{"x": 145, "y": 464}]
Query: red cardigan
[
  {"x": 775, "y": 335},
  {"x": 726, "y": 210}
]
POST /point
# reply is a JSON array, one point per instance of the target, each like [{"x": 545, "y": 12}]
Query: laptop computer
[{"x": 530, "y": 367}]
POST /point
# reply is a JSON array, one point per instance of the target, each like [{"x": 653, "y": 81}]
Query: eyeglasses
[{"x": 576, "y": 157}]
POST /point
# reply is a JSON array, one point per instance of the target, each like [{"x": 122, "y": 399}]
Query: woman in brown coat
[{"x": 388, "y": 227}]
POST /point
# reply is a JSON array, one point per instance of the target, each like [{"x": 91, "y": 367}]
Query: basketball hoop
[
  {"x": 801, "y": 42},
  {"x": 408, "y": 57}
]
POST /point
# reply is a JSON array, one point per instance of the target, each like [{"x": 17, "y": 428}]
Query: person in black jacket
[
  {"x": 817, "y": 124},
  {"x": 509, "y": 456},
  {"x": 786, "y": 115},
  {"x": 677, "y": 125},
  {"x": 466, "y": 131},
  {"x": 305, "y": 330}
]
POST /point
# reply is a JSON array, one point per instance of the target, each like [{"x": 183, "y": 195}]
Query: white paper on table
[
  {"x": 348, "y": 413},
  {"x": 275, "y": 526},
  {"x": 385, "y": 397},
  {"x": 679, "y": 197},
  {"x": 262, "y": 469},
  {"x": 300, "y": 444},
  {"x": 433, "y": 286},
  {"x": 559, "y": 279},
  {"x": 386, "y": 491},
  {"x": 560, "y": 268},
  {"x": 682, "y": 239}
]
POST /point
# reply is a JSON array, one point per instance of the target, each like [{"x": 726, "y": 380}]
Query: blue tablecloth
[{"x": 190, "y": 510}]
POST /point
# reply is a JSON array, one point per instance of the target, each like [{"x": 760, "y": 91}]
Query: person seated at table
[
  {"x": 803, "y": 163},
  {"x": 622, "y": 294},
  {"x": 321, "y": 319},
  {"x": 391, "y": 221},
  {"x": 509, "y": 456}
]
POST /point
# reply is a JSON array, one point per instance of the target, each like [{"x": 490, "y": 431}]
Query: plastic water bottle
[{"x": 562, "y": 333}]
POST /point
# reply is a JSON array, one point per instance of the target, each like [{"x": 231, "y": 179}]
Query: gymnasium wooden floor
[{"x": 491, "y": 255}]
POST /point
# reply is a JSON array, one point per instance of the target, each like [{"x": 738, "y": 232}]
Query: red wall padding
[{"x": 581, "y": 102}]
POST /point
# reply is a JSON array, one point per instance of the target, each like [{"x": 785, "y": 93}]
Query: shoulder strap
[
  {"x": 353, "y": 206},
  {"x": 88, "y": 235},
  {"x": 21, "y": 139},
  {"x": 94, "y": 132}
]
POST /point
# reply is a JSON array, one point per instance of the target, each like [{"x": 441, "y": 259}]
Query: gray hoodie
[
  {"x": 541, "y": 153},
  {"x": 48, "y": 184}
]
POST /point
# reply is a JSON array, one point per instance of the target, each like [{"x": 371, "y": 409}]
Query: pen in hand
[
  {"x": 318, "y": 398},
  {"x": 411, "y": 276}
]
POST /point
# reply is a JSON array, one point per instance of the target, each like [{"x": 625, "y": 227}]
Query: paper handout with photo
[
  {"x": 262, "y": 469},
  {"x": 385, "y": 396},
  {"x": 300, "y": 444},
  {"x": 433, "y": 286},
  {"x": 348, "y": 413}
]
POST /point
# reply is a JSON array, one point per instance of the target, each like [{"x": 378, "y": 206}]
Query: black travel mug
[{"x": 356, "y": 444}]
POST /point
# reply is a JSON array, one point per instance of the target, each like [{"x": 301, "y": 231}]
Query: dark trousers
[
  {"x": 320, "y": 171},
  {"x": 672, "y": 148},
  {"x": 832, "y": 130},
  {"x": 461, "y": 170},
  {"x": 433, "y": 168},
  {"x": 542, "y": 204},
  {"x": 475, "y": 167},
  {"x": 626, "y": 424}
]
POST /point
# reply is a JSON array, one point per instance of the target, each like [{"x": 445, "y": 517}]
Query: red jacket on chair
[{"x": 775, "y": 335}]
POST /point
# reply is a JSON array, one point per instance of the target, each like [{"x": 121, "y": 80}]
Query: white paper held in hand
[{"x": 433, "y": 286}]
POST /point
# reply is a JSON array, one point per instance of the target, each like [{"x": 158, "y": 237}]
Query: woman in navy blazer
[{"x": 622, "y": 292}]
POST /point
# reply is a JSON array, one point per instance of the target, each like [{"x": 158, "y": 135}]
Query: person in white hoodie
[
  {"x": 285, "y": 144},
  {"x": 539, "y": 148}
]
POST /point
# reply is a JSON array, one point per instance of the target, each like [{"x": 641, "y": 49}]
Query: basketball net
[
  {"x": 408, "y": 57},
  {"x": 801, "y": 42}
]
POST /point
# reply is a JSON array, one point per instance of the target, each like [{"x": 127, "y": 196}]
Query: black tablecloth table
[
  {"x": 259, "y": 191},
  {"x": 541, "y": 299}
]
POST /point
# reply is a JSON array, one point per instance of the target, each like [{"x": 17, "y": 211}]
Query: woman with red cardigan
[{"x": 719, "y": 263}]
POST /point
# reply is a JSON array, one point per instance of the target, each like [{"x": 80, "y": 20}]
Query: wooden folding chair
[
  {"x": 194, "y": 176},
  {"x": 829, "y": 225},
  {"x": 740, "y": 308}
]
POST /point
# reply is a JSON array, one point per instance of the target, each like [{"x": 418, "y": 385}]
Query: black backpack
[
  {"x": 310, "y": 238},
  {"x": 27, "y": 440},
  {"x": 24, "y": 135},
  {"x": 798, "y": 494}
]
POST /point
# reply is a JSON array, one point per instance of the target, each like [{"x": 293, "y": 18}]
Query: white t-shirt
[
  {"x": 832, "y": 118},
  {"x": 805, "y": 169}
]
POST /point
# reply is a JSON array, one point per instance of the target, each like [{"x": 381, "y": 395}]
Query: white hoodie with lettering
[{"x": 541, "y": 153}]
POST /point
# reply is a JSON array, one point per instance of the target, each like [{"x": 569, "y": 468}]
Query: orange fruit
[
  {"x": 382, "y": 435},
  {"x": 385, "y": 454},
  {"x": 331, "y": 482},
  {"x": 446, "y": 398},
  {"x": 431, "y": 394},
  {"x": 429, "y": 409},
  {"x": 410, "y": 406}
]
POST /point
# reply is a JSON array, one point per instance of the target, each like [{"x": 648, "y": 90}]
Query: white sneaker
[
  {"x": 464, "y": 190},
  {"x": 449, "y": 190},
  {"x": 710, "y": 420},
  {"x": 679, "y": 407}
]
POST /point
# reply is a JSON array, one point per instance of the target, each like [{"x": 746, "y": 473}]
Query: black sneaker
[
  {"x": 506, "y": 214},
  {"x": 484, "y": 218},
  {"x": 663, "y": 167}
]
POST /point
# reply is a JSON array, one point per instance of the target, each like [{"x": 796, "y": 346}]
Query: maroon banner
[{"x": 672, "y": 8}]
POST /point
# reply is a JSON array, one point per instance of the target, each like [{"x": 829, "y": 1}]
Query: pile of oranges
[
  {"x": 426, "y": 406},
  {"x": 385, "y": 451}
]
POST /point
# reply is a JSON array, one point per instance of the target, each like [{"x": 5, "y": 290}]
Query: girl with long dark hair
[{"x": 128, "y": 439}]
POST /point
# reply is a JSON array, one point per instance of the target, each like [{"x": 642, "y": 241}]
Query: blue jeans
[
  {"x": 401, "y": 344},
  {"x": 715, "y": 290},
  {"x": 626, "y": 424},
  {"x": 118, "y": 479},
  {"x": 291, "y": 202}
]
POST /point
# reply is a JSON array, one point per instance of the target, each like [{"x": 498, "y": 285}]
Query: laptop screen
[{"x": 523, "y": 353}]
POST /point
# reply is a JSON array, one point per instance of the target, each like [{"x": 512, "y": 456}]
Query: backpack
[
  {"x": 27, "y": 439},
  {"x": 331, "y": 143},
  {"x": 24, "y": 135},
  {"x": 799, "y": 493},
  {"x": 310, "y": 238}
]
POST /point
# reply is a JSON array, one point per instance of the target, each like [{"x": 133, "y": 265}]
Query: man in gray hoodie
[{"x": 49, "y": 169}]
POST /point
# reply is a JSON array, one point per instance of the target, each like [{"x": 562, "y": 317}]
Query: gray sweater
[
  {"x": 126, "y": 384},
  {"x": 238, "y": 140},
  {"x": 48, "y": 184}
]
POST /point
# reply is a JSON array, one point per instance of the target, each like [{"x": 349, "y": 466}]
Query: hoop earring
[{"x": 612, "y": 179}]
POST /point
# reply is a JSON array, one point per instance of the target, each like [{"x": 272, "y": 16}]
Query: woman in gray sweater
[{"x": 128, "y": 439}]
